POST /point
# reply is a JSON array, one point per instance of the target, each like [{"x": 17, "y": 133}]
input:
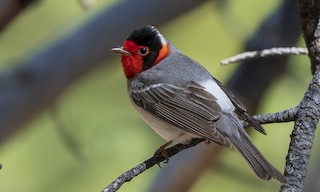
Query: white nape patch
[
  {"x": 223, "y": 100},
  {"x": 163, "y": 40}
]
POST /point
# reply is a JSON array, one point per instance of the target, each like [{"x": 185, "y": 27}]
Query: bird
[{"x": 180, "y": 100}]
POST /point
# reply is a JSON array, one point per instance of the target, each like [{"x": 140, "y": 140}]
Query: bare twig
[
  {"x": 303, "y": 133},
  {"x": 264, "y": 53},
  {"x": 156, "y": 159},
  {"x": 284, "y": 116},
  {"x": 278, "y": 117},
  {"x": 302, "y": 137}
]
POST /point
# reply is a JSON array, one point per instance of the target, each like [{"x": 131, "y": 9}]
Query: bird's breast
[{"x": 166, "y": 130}]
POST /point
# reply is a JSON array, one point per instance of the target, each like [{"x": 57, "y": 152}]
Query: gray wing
[
  {"x": 193, "y": 109},
  {"x": 241, "y": 110},
  {"x": 190, "y": 108}
]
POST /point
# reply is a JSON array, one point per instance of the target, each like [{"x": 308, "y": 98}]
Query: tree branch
[
  {"x": 302, "y": 137},
  {"x": 284, "y": 116},
  {"x": 156, "y": 159},
  {"x": 278, "y": 117},
  {"x": 309, "y": 111},
  {"x": 265, "y": 53}
]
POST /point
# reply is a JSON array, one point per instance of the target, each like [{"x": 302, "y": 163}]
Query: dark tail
[{"x": 258, "y": 163}]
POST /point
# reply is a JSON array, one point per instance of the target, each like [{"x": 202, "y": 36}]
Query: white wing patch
[
  {"x": 223, "y": 100},
  {"x": 154, "y": 86},
  {"x": 146, "y": 88}
]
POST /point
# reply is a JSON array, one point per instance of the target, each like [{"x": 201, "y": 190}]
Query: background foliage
[{"x": 92, "y": 134}]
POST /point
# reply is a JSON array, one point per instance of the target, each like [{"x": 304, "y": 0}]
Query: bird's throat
[{"x": 132, "y": 65}]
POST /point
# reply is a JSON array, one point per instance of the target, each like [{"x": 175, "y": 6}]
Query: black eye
[{"x": 144, "y": 51}]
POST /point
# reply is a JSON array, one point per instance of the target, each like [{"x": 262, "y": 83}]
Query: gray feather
[
  {"x": 241, "y": 142},
  {"x": 241, "y": 110},
  {"x": 189, "y": 107}
]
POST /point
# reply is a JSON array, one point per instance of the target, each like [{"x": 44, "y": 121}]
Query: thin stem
[
  {"x": 156, "y": 159},
  {"x": 278, "y": 117},
  {"x": 264, "y": 53}
]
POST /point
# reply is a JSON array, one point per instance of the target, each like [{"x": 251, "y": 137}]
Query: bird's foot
[{"x": 162, "y": 151}]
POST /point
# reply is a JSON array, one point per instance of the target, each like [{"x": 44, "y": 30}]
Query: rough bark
[
  {"x": 283, "y": 116},
  {"x": 309, "y": 111}
]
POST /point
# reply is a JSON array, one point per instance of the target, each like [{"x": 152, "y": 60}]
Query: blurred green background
[{"x": 105, "y": 137}]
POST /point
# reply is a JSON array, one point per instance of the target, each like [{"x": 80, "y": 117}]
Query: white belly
[{"x": 164, "y": 129}]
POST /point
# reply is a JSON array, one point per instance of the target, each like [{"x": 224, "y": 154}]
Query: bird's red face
[{"x": 144, "y": 48}]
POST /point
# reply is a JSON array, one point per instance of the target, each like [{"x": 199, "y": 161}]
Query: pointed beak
[{"x": 121, "y": 51}]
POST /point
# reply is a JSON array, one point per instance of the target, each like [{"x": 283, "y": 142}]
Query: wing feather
[
  {"x": 241, "y": 110},
  {"x": 195, "y": 110},
  {"x": 190, "y": 108}
]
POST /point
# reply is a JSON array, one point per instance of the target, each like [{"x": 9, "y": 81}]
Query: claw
[
  {"x": 207, "y": 142},
  {"x": 163, "y": 152}
]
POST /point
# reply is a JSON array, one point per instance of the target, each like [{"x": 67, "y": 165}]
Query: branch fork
[{"x": 279, "y": 117}]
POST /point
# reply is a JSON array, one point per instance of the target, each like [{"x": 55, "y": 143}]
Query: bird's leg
[
  {"x": 162, "y": 151},
  {"x": 207, "y": 142}
]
